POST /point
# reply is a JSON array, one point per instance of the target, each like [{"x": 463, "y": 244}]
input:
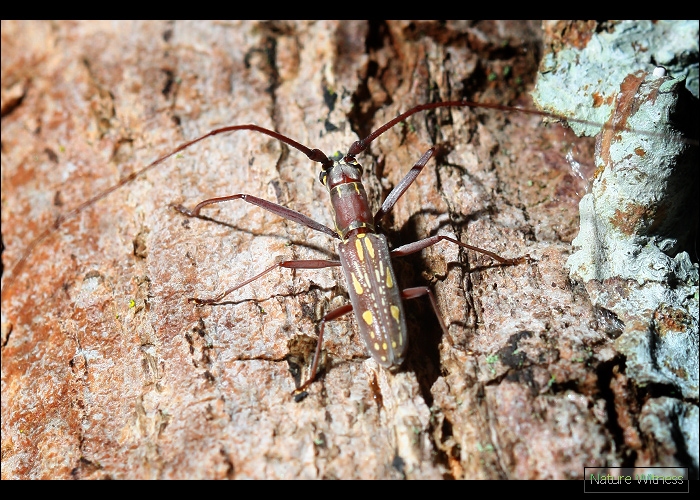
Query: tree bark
[{"x": 109, "y": 371}]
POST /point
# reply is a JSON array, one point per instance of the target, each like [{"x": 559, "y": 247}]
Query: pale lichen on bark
[{"x": 641, "y": 213}]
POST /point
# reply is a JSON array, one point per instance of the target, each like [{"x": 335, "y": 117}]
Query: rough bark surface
[{"x": 108, "y": 371}]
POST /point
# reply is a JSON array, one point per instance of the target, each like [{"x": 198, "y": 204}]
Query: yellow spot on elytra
[
  {"x": 360, "y": 254},
  {"x": 371, "y": 335},
  {"x": 361, "y": 235},
  {"x": 357, "y": 189},
  {"x": 376, "y": 346},
  {"x": 367, "y": 316},
  {"x": 395, "y": 313},
  {"x": 384, "y": 346},
  {"x": 356, "y": 284},
  {"x": 376, "y": 273},
  {"x": 370, "y": 249},
  {"x": 393, "y": 344},
  {"x": 383, "y": 358},
  {"x": 389, "y": 281},
  {"x": 381, "y": 268}
]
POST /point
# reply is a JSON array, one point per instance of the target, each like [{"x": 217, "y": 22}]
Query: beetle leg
[
  {"x": 334, "y": 314},
  {"x": 419, "y": 245},
  {"x": 402, "y": 186},
  {"x": 290, "y": 264},
  {"x": 267, "y": 205},
  {"x": 419, "y": 291}
]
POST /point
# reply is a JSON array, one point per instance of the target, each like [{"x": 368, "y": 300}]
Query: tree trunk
[{"x": 109, "y": 371}]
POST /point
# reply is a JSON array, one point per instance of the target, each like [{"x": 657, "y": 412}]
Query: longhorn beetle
[{"x": 364, "y": 254}]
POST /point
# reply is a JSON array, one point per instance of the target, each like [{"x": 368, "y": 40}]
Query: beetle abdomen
[{"x": 375, "y": 296}]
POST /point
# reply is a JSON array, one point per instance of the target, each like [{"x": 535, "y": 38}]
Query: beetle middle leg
[
  {"x": 417, "y": 246},
  {"x": 276, "y": 209},
  {"x": 289, "y": 264}
]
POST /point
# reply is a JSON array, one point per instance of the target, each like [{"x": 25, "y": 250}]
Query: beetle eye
[
  {"x": 353, "y": 163},
  {"x": 323, "y": 176}
]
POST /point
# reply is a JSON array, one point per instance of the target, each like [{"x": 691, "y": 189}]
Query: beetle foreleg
[
  {"x": 402, "y": 186},
  {"x": 267, "y": 205}
]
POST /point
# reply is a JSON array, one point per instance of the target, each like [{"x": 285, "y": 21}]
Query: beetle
[
  {"x": 363, "y": 251},
  {"x": 364, "y": 254}
]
